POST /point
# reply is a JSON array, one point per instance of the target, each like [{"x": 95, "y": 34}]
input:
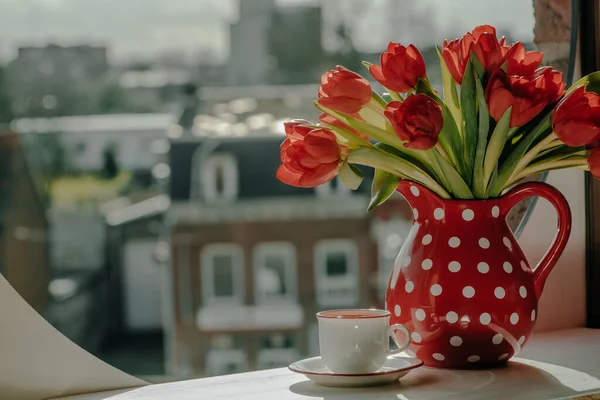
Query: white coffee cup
[{"x": 356, "y": 341}]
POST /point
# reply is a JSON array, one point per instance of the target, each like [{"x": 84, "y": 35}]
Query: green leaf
[
  {"x": 510, "y": 163},
  {"x": 384, "y": 185},
  {"x": 558, "y": 153},
  {"x": 449, "y": 136},
  {"x": 371, "y": 131},
  {"x": 450, "y": 92},
  {"x": 378, "y": 159},
  {"x": 496, "y": 145},
  {"x": 350, "y": 175},
  {"x": 469, "y": 114},
  {"x": 455, "y": 182},
  {"x": 479, "y": 179},
  {"x": 477, "y": 66},
  {"x": 492, "y": 183},
  {"x": 346, "y": 137},
  {"x": 592, "y": 80}
]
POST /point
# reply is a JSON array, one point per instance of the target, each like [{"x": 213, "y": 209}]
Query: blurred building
[
  {"x": 295, "y": 36},
  {"x": 56, "y": 80},
  {"x": 252, "y": 259},
  {"x": 85, "y": 138},
  {"x": 24, "y": 257},
  {"x": 250, "y": 60}
]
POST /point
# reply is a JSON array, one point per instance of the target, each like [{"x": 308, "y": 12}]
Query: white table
[{"x": 555, "y": 365}]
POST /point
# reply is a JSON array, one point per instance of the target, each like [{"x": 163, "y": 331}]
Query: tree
[{"x": 110, "y": 168}]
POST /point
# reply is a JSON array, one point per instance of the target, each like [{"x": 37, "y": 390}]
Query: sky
[{"x": 145, "y": 28}]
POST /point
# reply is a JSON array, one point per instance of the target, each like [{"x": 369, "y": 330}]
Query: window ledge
[
  {"x": 555, "y": 365},
  {"x": 246, "y": 318}
]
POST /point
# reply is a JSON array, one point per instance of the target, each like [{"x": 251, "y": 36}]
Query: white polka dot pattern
[
  {"x": 499, "y": 292},
  {"x": 483, "y": 267},
  {"x": 523, "y": 292},
  {"x": 451, "y": 317},
  {"x": 485, "y": 318},
  {"x": 406, "y": 261},
  {"x": 532, "y": 315},
  {"x": 438, "y": 356},
  {"x": 456, "y": 341},
  {"x": 415, "y": 191},
  {"x": 415, "y": 337},
  {"x": 473, "y": 358},
  {"x": 438, "y": 213},
  {"x": 506, "y": 242},
  {"x": 514, "y": 318},
  {"x": 498, "y": 338},
  {"x": 420, "y": 314},
  {"x": 503, "y": 356},
  {"x": 524, "y": 266},
  {"x": 454, "y": 266},
  {"x": 468, "y": 215},
  {"x": 427, "y": 239},
  {"x": 436, "y": 289},
  {"x": 416, "y": 213},
  {"x": 409, "y": 286},
  {"x": 484, "y": 243},
  {"x": 454, "y": 242},
  {"x": 508, "y": 268},
  {"x": 397, "y": 310},
  {"x": 495, "y": 211},
  {"x": 427, "y": 264},
  {"x": 468, "y": 292},
  {"x": 522, "y": 340}
]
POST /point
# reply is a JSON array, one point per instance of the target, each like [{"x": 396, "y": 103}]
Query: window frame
[
  {"x": 208, "y": 253},
  {"x": 208, "y": 176},
  {"x": 321, "y": 251},
  {"x": 260, "y": 252}
]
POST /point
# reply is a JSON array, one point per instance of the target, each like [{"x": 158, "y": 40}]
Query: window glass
[
  {"x": 223, "y": 272},
  {"x": 140, "y": 210}
]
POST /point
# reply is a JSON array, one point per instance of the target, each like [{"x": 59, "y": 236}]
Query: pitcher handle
[{"x": 558, "y": 201}]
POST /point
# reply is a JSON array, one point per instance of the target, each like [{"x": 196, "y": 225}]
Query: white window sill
[
  {"x": 554, "y": 365},
  {"x": 271, "y": 316}
]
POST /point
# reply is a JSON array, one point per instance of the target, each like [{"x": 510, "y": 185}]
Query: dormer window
[{"x": 220, "y": 178}]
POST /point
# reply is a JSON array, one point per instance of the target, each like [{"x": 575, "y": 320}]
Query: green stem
[
  {"x": 379, "y": 159},
  {"x": 532, "y": 153},
  {"x": 542, "y": 167},
  {"x": 395, "y": 95},
  {"x": 377, "y": 99}
]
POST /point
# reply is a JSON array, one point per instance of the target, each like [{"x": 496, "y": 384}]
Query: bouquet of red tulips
[{"x": 501, "y": 119}]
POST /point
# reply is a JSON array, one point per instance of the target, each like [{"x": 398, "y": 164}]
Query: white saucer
[{"x": 393, "y": 369}]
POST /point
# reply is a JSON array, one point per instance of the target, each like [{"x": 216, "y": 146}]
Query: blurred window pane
[
  {"x": 275, "y": 271},
  {"x": 336, "y": 272},
  {"x": 219, "y": 178},
  {"x": 222, "y": 274}
]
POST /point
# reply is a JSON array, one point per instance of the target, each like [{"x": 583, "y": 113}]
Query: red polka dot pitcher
[{"x": 461, "y": 283}]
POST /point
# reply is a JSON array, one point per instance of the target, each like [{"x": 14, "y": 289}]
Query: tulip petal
[{"x": 288, "y": 177}]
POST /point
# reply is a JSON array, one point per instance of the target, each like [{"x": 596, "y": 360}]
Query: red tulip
[
  {"x": 309, "y": 157},
  {"x": 483, "y": 42},
  {"x": 400, "y": 69},
  {"x": 344, "y": 91},
  {"x": 521, "y": 62},
  {"x": 332, "y": 121},
  {"x": 576, "y": 119},
  {"x": 594, "y": 162},
  {"x": 417, "y": 121},
  {"x": 526, "y": 96}
]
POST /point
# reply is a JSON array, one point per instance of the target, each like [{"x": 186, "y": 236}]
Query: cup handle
[{"x": 390, "y": 332}]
